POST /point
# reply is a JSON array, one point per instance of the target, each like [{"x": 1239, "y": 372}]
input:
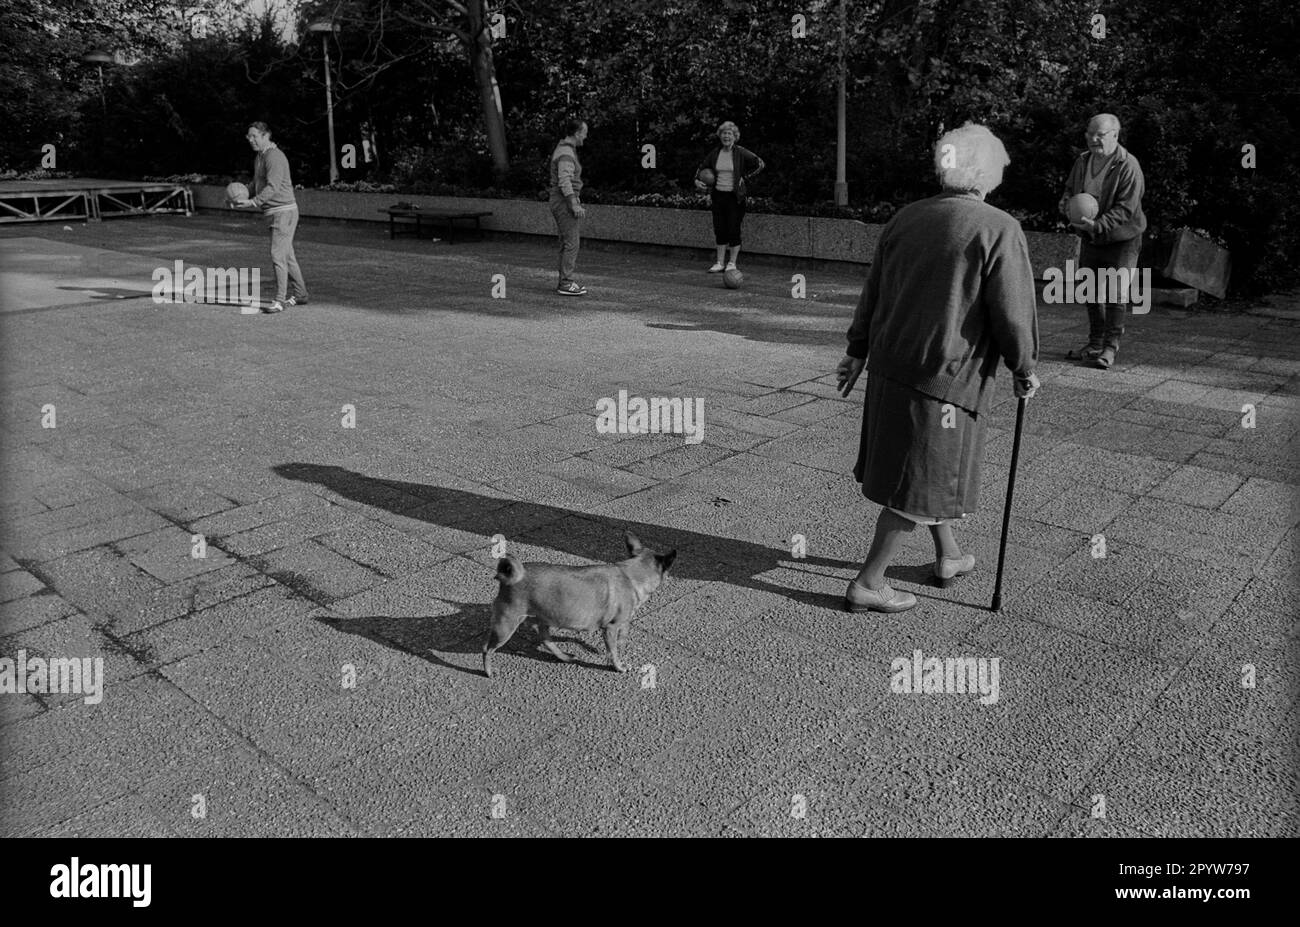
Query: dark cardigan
[
  {"x": 747, "y": 164},
  {"x": 1120, "y": 217}
]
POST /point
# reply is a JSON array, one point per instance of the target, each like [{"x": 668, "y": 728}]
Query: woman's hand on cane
[{"x": 1026, "y": 387}]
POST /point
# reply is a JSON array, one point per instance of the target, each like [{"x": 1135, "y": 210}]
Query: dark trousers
[
  {"x": 727, "y": 213},
  {"x": 1106, "y": 320}
]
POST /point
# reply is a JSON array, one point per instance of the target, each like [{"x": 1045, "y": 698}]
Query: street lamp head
[
  {"x": 97, "y": 56},
  {"x": 324, "y": 25}
]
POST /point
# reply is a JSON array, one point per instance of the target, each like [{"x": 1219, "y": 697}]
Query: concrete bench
[{"x": 447, "y": 216}]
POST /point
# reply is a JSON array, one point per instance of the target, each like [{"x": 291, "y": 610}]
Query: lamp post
[
  {"x": 841, "y": 181},
  {"x": 99, "y": 57},
  {"x": 325, "y": 27}
]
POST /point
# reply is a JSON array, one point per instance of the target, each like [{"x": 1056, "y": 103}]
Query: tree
[{"x": 468, "y": 22}]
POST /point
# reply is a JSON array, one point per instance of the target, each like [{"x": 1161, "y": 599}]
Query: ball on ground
[
  {"x": 1082, "y": 206},
  {"x": 733, "y": 278},
  {"x": 236, "y": 193}
]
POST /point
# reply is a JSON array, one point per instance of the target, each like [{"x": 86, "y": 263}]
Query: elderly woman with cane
[{"x": 949, "y": 295}]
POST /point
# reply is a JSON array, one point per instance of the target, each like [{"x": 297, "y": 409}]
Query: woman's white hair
[
  {"x": 970, "y": 158},
  {"x": 728, "y": 125}
]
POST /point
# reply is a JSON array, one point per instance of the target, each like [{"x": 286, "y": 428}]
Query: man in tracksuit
[
  {"x": 1113, "y": 239},
  {"x": 273, "y": 194}
]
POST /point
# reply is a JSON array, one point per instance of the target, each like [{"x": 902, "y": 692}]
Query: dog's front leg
[{"x": 612, "y": 634}]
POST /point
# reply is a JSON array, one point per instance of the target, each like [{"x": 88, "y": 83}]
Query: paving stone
[
  {"x": 1119, "y": 675},
  {"x": 188, "y": 596},
  {"x": 244, "y": 616},
  {"x": 316, "y": 572},
  {"x": 18, "y": 584},
  {"x": 168, "y": 554},
  {"x": 181, "y": 501},
  {"x": 21, "y": 614},
  {"x": 101, "y": 582}
]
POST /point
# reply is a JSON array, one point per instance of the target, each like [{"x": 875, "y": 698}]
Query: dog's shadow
[{"x": 428, "y": 636}]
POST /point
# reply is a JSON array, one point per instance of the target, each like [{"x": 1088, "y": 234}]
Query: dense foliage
[{"x": 1193, "y": 83}]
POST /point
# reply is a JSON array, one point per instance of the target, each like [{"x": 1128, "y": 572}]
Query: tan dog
[{"x": 580, "y": 598}]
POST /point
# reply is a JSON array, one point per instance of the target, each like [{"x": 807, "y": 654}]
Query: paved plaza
[{"x": 347, "y": 468}]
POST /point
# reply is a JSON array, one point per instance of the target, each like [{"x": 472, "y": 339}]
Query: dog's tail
[{"x": 509, "y": 571}]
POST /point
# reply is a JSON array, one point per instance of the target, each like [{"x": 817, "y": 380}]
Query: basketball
[
  {"x": 1081, "y": 206},
  {"x": 236, "y": 192},
  {"x": 707, "y": 177},
  {"x": 733, "y": 278}
]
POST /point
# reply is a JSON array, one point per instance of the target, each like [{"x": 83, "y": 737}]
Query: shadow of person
[{"x": 700, "y": 557}]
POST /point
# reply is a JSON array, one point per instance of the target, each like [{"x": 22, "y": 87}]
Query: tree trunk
[{"x": 480, "y": 54}]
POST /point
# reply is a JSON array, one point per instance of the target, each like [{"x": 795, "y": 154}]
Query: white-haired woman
[
  {"x": 731, "y": 165},
  {"x": 949, "y": 295}
]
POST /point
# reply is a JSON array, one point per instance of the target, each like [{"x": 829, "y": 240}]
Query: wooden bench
[{"x": 447, "y": 216}]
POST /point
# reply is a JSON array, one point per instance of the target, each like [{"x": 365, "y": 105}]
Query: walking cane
[{"x": 1006, "y": 512}]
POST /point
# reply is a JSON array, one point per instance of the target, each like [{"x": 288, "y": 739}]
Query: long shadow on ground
[
  {"x": 702, "y": 557},
  {"x": 593, "y": 537}
]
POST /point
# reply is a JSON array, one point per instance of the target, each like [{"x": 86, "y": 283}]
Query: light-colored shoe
[
  {"x": 861, "y": 599},
  {"x": 1088, "y": 352},
  {"x": 948, "y": 570},
  {"x": 716, "y": 268},
  {"x": 276, "y": 305},
  {"x": 731, "y": 265}
]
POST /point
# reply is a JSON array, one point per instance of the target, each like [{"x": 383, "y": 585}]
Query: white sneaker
[
  {"x": 716, "y": 268},
  {"x": 731, "y": 265}
]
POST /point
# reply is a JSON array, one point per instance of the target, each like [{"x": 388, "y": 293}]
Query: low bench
[{"x": 447, "y": 216}]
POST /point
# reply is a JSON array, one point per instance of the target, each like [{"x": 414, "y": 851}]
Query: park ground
[{"x": 317, "y": 672}]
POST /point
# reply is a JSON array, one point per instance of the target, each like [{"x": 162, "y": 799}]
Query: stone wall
[{"x": 789, "y": 236}]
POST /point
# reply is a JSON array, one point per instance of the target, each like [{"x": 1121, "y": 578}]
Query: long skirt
[{"x": 919, "y": 455}]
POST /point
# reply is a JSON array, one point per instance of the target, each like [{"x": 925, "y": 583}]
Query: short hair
[
  {"x": 1110, "y": 120},
  {"x": 261, "y": 127},
  {"x": 970, "y": 158},
  {"x": 728, "y": 125},
  {"x": 573, "y": 126}
]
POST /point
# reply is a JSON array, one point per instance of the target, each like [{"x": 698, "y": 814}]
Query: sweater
[
  {"x": 950, "y": 291},
  {"x": 272, "y": 182},
  {"x": 566, "y": 172},
  {"x": 1119, "y": 215}
]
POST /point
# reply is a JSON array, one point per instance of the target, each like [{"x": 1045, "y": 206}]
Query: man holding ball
[
  {"x": 274, "y": 196},
  {"x": 1113, "y": 237}
]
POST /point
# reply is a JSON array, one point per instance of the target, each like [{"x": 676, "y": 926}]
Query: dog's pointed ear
[
  {"x": 667, "y": 559},
  {"x": 634, "y": 545}
]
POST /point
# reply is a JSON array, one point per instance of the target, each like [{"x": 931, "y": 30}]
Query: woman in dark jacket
[
  {"x": 949, "y": 295},
  {"x": 730, "y": 166}
]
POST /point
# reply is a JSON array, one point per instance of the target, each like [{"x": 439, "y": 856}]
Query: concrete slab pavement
[{"x": 349, "y": 467}]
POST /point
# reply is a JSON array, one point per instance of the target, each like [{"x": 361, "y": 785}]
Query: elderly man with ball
[
  {"x": 1103, "y": 201},
  {"x": 275, "y": 198}
]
